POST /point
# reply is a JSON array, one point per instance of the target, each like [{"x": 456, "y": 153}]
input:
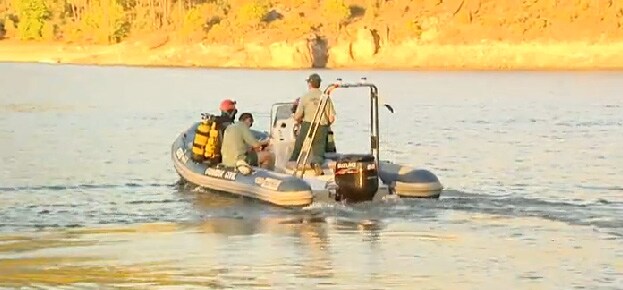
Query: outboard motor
[{"x": 356, "y": 177}]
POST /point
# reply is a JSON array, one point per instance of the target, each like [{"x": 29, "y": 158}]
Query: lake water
[{"x": 532, "y": 163}]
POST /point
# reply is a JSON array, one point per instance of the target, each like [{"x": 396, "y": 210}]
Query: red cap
[{"x": 227, "y": 105}]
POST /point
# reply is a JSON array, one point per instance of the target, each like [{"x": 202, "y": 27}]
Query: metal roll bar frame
[{"x": 374, "y": 119}]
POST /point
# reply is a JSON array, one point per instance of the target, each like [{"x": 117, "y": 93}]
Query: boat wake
[{"x": 69, "y": 206}]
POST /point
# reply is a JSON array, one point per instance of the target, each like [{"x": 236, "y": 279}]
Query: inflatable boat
[{"x": 343, "y": 177}]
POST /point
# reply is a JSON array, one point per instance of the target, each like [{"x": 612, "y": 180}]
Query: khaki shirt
[
  {"x": 237, "y": 140},
  {"x": 308, "y": 104}
]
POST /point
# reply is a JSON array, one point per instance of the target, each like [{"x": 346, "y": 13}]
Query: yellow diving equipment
[
  {"x": 213, "y": 146},
  {"x": 207, "y": 143},
  {"x": 202, "y": 133}
]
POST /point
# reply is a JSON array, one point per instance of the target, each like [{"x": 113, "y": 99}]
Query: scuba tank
[
  {"x": 213, "y": 145},
  {"x": 202, "y": 133},
  {"x": 207, "y": 141}
]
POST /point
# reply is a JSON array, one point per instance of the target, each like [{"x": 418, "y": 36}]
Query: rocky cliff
[{"x": 391, "y": 34}]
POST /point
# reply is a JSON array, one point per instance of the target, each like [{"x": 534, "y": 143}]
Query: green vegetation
[
  {"x": 33, "y": 15},
  {"x": 236, "y": 21},
  {"x": 111, "y": 21}
]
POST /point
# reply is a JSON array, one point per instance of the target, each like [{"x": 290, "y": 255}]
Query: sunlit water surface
[{"x": 532, "y": 164}]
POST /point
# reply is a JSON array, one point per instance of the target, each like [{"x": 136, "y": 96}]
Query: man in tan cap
[{"x": 304, "y": 114}]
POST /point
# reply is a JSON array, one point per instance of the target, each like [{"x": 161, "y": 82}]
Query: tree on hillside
[
  {"x": 31, "y": 15},
  {"x": 336, "y": 12}
]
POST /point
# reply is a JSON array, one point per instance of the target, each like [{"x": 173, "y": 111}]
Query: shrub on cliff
[
  {"x": 100, "y": 21},
  {"x": 32, "y": 15},
  {"x": 145, "y": 16},
  {"x": 291, "y": 27},
  {"x": 222, "y": 32},
  {"x": 59, "y": 11},
  {"x": 227, "y": 21},
  {"x": 335, "y": 12},
  {"x": 197, "y": 20},
  {"x": 251, "y": 14},
  {"x": 10, "y": 27},
  {"x": 2, "y": 30}
]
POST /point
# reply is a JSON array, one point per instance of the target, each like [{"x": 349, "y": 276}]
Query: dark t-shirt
[{"x": 224, "y": 120}]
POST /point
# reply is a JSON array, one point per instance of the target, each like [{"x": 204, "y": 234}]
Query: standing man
[{"x": 304, "y": 114}]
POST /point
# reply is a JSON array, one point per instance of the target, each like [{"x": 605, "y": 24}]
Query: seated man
[{"x": 239, "y": 144}]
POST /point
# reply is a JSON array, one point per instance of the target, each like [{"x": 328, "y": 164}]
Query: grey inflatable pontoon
[{"x": 276, "y": 188}]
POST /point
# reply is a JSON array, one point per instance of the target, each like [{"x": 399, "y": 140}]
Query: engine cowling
[{"x": 356, "y": 177}]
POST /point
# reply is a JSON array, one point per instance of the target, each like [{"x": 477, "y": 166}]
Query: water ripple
[
  {"x": 81, "y": 186},
  {"x": 531, "y": 161}
]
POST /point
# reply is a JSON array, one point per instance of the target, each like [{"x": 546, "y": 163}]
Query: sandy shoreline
[{"x": 406, "y": 56}]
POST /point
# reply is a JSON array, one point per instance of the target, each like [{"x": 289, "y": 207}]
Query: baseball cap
[
  {"x": 227, "y": 105},
  {"x": 313, "y": 77}
]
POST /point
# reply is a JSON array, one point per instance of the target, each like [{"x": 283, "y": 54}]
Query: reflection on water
[
  {"x": 34, "y": 108},
  {"x": 531, "y": 162},
  {"x": 312, "y": 250}
]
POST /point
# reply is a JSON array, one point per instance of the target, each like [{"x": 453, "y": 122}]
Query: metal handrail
[{"x": 374, "y": 119}]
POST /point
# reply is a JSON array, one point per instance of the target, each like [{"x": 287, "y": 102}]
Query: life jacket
[{"x": 207, "y": 141}]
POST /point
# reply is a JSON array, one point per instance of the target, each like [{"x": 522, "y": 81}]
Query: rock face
[
  {"x": 2, "y": 30},
  {"x": 318, "y": 50},
  {"x": 361, "y": 48},
  {"x": 396, "y": 34},
  {"x": 365, "y": 45},
  {"x": 285, "y": 55},
  {"x": 486, "y": 34}
]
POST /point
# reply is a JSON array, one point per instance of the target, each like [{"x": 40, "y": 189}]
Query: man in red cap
[
  {"x": 228, "y": 113},
  {"x": 228, "y": 109}
]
